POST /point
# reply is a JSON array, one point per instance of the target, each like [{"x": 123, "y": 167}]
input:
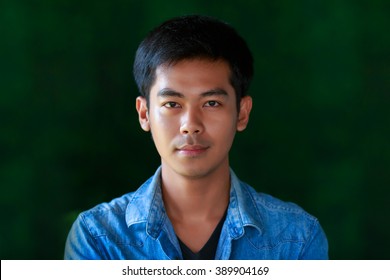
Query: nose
[{"x": 191, "y": 122}]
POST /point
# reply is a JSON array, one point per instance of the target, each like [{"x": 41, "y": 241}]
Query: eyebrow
[{"x": 166, "y": 92}]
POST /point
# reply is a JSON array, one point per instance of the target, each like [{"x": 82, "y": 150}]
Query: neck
[{"x": 196, "y": 198}]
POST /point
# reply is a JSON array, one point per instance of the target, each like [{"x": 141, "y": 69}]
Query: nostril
[{"x": 191, "y": 128}]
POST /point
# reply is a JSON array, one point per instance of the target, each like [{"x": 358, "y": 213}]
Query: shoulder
[
  {"x": 284, "y": 225},
  {"x": 270, "y": 209},
  {"x": 277, "y": 219},
  {"x": 276, "y": 205},
  {"x": 87, "y": 236},
  {"x": 105, "y": 215},
  {"x": 119, "y": 212},
  {"x": 263, "y": 207},
  {"x": 101, "y": 232},
  {"x": 279, "y": 229},
  {"x": 116, "y": 205}
]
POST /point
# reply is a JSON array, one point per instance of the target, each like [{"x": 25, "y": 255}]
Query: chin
[{"x": 195, "y": 172}]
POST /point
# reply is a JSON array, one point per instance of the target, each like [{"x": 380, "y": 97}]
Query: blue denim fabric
[{"x": 136, "y": 226}]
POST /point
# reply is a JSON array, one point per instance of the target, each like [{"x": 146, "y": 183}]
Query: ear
[
  {"x": 143, "y": 114},
  {"x": 243, "y": 115}
]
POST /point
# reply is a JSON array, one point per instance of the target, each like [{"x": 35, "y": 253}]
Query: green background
[{"x": 318, "y": 134}]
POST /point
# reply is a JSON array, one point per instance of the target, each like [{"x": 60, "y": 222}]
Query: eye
[
  {"x": 212, "y": 103},
  {"x": 171, "y": 104}
]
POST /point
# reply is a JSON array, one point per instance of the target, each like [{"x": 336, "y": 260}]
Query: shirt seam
[
  {"x": 92, "y": 236},
  {"x": 310, "y": 237}
]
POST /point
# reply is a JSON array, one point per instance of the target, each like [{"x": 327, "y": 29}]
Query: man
[{"x": 193, "y": 73}]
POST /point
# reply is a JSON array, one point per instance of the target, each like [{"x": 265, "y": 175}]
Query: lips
[{"x": 192, "y": 150}]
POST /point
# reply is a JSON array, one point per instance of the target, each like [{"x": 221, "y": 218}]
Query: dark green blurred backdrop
[{"x": 318, "y": 136}]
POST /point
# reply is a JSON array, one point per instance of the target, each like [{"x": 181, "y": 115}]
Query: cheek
[
  {"x": 223, "y": 125},
  {"x": 162, "y": 128}
]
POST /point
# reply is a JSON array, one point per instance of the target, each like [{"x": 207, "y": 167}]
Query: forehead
[{"x": 193, "y": 76}]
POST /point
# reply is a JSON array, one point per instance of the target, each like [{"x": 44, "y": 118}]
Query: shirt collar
[
  {"x": 242, "y": 211},
  {"x": 146, "y": 206}
]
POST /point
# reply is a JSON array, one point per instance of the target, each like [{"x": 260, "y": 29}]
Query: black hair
[{"x": 192, "y": 37}]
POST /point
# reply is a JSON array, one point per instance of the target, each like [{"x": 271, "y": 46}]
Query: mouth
[{"x": 192, "y": 150}]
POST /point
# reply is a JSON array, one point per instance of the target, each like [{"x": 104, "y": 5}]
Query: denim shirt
[{"x": 136, "y": 226}]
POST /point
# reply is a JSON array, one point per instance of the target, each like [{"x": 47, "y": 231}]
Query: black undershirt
[{"x": 209, "y": 249}]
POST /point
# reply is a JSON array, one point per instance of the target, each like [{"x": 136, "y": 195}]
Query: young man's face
[{"x": 193, "y": 117}]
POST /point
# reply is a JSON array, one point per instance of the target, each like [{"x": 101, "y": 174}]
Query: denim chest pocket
[
  {"x": 272, "y": 244},
  {"x": 133, "y": 236}
]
